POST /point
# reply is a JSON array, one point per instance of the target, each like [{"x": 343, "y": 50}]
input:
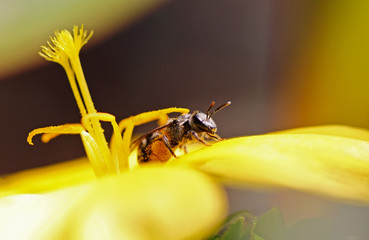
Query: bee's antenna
[
  {"x": 210, "y": 107},
  {"x": 219, "y": 108}
]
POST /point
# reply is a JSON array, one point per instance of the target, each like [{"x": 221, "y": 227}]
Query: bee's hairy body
[{"x": 160, "y": 144}]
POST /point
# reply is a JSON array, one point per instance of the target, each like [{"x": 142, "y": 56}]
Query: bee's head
[{"x": 202, "y": 122}]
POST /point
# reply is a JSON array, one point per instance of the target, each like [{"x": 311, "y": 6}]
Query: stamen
[{"x": 64, "y": 49}]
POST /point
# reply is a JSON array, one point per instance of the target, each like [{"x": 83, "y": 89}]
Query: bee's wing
[{"x": 139, "y": 139}]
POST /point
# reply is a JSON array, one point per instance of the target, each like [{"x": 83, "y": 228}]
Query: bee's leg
[
  {"x": 185, "y": 149},
  {"x": 215, "y": 137},
  {"x": 167, "y": 144},
  {"x": 194, "y": 134}
]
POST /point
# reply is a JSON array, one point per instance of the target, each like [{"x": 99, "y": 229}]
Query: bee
[{"x": 159, "y": 144}]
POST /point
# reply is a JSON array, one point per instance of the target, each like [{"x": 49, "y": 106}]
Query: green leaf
[
  {"x": 235, "y": 230},
  {"x": 237, "y": 226},
  {"x": 256, "y": 237},
  {"x": 271, "y": 226}
]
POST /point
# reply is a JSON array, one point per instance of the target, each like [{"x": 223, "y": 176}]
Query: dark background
[{"x": 185, "y": 55}]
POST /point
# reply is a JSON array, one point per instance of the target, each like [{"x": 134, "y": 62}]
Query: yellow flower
[{"x": 181, "y": 199}]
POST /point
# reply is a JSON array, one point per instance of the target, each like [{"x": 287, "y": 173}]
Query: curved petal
[
  {"x": 334, "y": 130},
  {"x": 37, "y": 216},
  {"x": 329, "y": 165},
  {"x": 49, "y": 178},
  {"x": 148, "y": 203}
]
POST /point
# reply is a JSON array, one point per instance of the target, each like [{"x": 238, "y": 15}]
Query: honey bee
[{"x": 159, "y": 144}]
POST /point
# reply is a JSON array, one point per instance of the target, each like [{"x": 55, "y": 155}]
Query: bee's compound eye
[{"x": 202, "y": 123}]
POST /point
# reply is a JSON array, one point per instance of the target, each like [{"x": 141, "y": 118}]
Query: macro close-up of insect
[
  {"x": 159, "y": 144},
  {"x": 123, "y": 127}
]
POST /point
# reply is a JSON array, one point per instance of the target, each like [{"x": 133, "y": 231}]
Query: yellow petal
[
  {"x": 148, "y": 203},
  {"x": 334, "y": 130},
  {"x": 37, "y": 216},
  {"x": 328, "y": 165},
  {"x": 48, "y": 178}
]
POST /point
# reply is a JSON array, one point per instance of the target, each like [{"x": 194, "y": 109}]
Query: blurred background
[{"x": 283, "y": 64}]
